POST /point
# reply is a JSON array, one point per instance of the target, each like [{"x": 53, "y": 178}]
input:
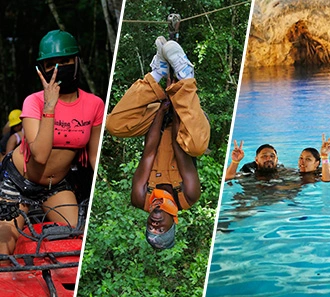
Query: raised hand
[
  {"x": 325, "y": 148},
  {"x": 51, "y": 91},
  {"x": 237, "y": 154}
]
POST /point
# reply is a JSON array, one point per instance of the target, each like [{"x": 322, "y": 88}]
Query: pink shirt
[{"x": 73, "y": 121}]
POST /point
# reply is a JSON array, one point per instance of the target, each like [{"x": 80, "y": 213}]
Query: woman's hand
[
  {"x": 52, "y": 91},
  {"x": 325, "y": 148}
]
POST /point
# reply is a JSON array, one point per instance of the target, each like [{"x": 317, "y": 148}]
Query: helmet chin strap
[{"x": 77, "y": 63}]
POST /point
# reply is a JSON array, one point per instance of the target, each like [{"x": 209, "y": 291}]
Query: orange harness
[
  {"x": 165, "y": 169},
  {"x": 163, "y": 200}
]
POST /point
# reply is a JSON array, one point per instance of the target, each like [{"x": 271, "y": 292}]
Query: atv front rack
[
  {"x": 41, "y": 247},
  {"x": 47, "y": 251},
  {"x": 41, "y": 261}
]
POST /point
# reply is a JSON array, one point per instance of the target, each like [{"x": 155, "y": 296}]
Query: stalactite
[
  {"x": 289, "y": 32},
  {"x": 306, "y": 49}
]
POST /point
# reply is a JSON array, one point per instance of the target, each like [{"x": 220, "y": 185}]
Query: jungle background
[
  {"x": 22, "y": 25},
  {"x": 117, "y": 259}
]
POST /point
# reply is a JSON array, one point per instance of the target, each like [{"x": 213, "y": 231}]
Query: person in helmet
[
  {"x": 62, "y": 123},
  {"x": 15, "y": 126},
  {"x": 16, "y": 138},
  {"x": 59, "y": 47},
  {"x": 176, "y": 131}
]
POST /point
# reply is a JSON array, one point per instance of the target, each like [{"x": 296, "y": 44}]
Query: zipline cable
[{"x": 188, "y": 18}]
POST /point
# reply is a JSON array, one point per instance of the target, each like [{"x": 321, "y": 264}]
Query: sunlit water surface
[{"x": 273, "y": 242}]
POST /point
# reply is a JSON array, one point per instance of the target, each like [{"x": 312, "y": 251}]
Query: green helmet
[{"x": 57, "y": 43}]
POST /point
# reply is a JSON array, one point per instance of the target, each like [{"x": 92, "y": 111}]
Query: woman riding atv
[{"x": 61, "y": 123}]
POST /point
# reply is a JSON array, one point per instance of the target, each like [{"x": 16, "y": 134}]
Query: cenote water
[{"x": 270, "y": 241}]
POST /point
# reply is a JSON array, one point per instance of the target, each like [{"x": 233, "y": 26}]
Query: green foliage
[
  {"x": 214, "y": 44},
  {"x": 117, "y": 260}
]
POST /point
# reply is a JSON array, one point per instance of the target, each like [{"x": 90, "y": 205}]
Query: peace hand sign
[
  {"x": 325, "y": 148},
  {"x": 51, "y": 91},
  {"x": 238, "y": 153}
]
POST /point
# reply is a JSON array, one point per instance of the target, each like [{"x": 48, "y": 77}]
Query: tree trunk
[
  {"x": 111, "y": 20},
  {"x": 61, "y": 26},
  {"x": 56, "y": 16}
]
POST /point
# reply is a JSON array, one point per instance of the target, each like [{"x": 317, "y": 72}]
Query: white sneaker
[
  {"x": 158, "y": 63},
  {"x": 177, "y": 58}
]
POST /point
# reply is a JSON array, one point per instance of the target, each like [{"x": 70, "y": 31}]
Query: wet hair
[
  {"x": 314, "y": 152},
  {"x": 260, "y": 148}
]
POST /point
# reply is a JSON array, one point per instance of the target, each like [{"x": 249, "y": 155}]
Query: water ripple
[{"x": 271, "y": 242}]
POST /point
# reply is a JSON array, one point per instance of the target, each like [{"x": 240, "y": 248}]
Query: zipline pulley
[{"x": 173, "y": 26}]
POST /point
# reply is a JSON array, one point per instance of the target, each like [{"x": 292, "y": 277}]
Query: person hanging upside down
[{"x": 176, "y": 131}]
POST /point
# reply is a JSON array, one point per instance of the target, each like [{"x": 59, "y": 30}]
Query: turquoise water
[{"x": 273, "y": 241}]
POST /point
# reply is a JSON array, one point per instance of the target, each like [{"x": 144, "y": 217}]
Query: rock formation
[{"x": 289, "y": 32}]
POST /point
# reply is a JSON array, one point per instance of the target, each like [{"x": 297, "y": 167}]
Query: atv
[
  {"x": 45, "y": 260},
  {"x": 46, "y": 257}
]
